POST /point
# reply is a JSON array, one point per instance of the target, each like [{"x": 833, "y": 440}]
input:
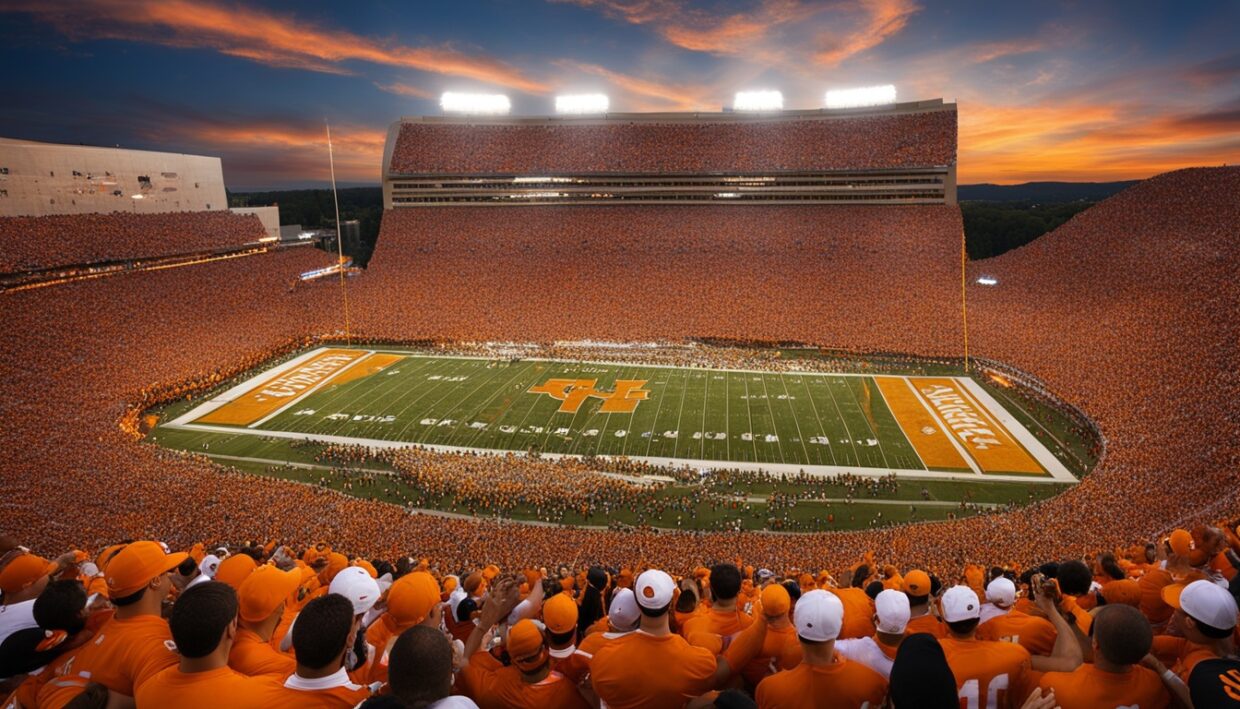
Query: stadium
[{"x": 663, "y": 340}]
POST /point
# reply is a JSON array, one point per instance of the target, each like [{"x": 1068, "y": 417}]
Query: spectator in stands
[
  {"x": 321, "y": 636},
  {"x": 203, "y": 623},
  {"x": 421, "y": 671},
  {"x": 1121, "y": 638},
  {"x": 262, "y": 598},
  {"x": 891, "y": 616},
  {"x": 822, "y": 673}
]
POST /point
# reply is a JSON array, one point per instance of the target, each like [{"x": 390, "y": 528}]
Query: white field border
[
  {"x": 1058, "y": 474},
  {"x": 1032, "y": 445}
]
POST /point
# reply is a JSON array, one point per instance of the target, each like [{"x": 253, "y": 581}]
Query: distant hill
[{"x": 1042, "y": 191}]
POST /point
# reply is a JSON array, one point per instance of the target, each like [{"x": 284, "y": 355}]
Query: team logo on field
[{"x": 574, "y": 392}]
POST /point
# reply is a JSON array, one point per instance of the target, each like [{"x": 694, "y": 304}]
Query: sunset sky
[{"x": 1088, "y": 90}]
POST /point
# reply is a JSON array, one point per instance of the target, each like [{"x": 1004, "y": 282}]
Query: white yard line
[
  {"x": 776, "y": 468},
  {"x": 943, "y": 427},
  {"x": 1034, "y": 447}
]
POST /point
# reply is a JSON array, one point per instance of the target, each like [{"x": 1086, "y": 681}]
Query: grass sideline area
[{"x": 525, "y": 405}]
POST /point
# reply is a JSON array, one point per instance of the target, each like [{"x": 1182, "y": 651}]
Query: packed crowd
[
  {"x": 758, "y": 145},
  {"x": 1126, "y": 311},
  {"x": 33, "y": 243},
  {"x": 264, "y": 624}
]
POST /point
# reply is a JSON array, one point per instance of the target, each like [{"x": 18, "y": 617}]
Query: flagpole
[{"x": 344, "y": 291}]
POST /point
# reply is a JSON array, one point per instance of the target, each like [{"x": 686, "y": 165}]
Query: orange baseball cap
[
  {"x": 235, "y": 569},
  {"x": 490, "y": 572},
  {"x": 917, "y": 583},
  {"x": 336, "y": 562},
  {"x": 560, "y": 613},
  {"x": 369, "y": 567},
  {"x": 262, "y": 592},
  {"x": 23, "y": 571},
  {"x": 134, "y": 566},
  {"x": 411, "y": 598},
  {"x": 775, "y": 600},
  {"x": 525, "y": 645},
  {"x": 1181, "y": 542}
]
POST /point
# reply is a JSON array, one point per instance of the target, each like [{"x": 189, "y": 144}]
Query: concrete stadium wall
[
  {"x": 269, "y": 216},
  {"x": 38, "y": 179}
]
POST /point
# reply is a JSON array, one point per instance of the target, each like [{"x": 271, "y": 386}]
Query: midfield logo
[{"x": 574, "y": 392}]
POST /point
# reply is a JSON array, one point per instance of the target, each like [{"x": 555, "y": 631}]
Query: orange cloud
[
  {"x": 265, "y": 37},
  {"x": 884, "y": 18},
  {"x": 1077, "y": 141},
  {"x": 403, "y": 89},
  {"x": 989, "y": 51},
  {"x": 667, "y": 97}
]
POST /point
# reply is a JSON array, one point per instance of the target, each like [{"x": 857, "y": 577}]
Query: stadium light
[
  {"x": 484, "y": 104},
  {"x": 988, "y": 280},
  {"x": 579, "y": 104},
  {"x": 864, "y": 96},
  {"x": 766, "y": 100}
]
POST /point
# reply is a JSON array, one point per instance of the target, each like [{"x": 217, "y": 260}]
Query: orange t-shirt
[
  {"x": 841, "y": 684},
  {"x": 858, "y": 613},
  {"x": 1037, "y": 635},
  {"x": 989, "y": 674},
  {"x": 640, "y": 670},
  {"x": 926, "y": 624},
  {"x": 780, "y": 651},
  {"x": 577, "y": 665},
  {"x": 1152, "y": 605},
  {"x": 504, "y": 687},
  {"x": 721, "y": 623},
  {"x": 223, "y": 687},
  {"x": 1180, "y": 655},
  {"x": 250, "y": 655},
  {"x": 122, "y": 655},
  {"x": 1088, "y": 687}
]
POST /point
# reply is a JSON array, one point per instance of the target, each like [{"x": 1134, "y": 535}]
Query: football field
[{"x": 929, "y": 427}]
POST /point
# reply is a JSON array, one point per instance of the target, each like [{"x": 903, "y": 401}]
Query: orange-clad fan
[
  {"x": 623, "y": 617},
  {"x": 204, "y": 623},
  {"x": 136, "y": 643},
  {"x": 529, "y": 682},
  {"x": 780, "y": 650},
  {"x": 724, "y": 618},
  {"x": 321, "y": 638},
  {"x": 1000, "y": 621},
  {"x": 988, "y": 674},
  {"x": 1204, "y": 625},
  {"x": 891, "y": 616},
  {"x": 560, "y": 614},
  {"x": 412, "y": 599},
  {"x": 262, "y": 597},
  {"x": 858, "y": 606},
  {"x": 823, "y": 679},
  {"x": 1121, "y": 639},
  {"x": 652, "y": 666},
  {"x": 920, "y": 589}
]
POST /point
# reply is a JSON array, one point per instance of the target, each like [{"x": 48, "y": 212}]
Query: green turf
[
  {"x": 796, "y": 419},
  {"x": 847, "y": 413}
]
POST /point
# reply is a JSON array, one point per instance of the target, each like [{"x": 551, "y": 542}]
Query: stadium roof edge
[
  {"x": 20, "y": 142},
  {"x": 923, "y": 106}
]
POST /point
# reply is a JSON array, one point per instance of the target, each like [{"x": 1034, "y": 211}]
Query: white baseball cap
[
  {"x": 1001, "y": 592},
  {"x": 356, "y": 585},
  {"x": 654, "y": 589},
  {"x": 893, "y": 611},
  {"x": 818, "y": 616},
  {"x": 624, "y": 613},
  {"x": 960, "y": 603},
  {"x": 1209, "y": 603},
  {"x": 210, "y": 564}
]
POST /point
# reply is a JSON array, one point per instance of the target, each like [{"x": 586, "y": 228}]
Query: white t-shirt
[
  {"x": 990, "y": 611},
  {"x": 867, "y": 652},
  {"x": 15, "y": 617}
]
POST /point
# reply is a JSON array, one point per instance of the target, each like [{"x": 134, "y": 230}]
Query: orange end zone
[
  {"x": 279, "y": 390},
  {"x": 373, "y": 364},
  {"x": 990, "y": 444},
  {"x": 921, "y": 429}
]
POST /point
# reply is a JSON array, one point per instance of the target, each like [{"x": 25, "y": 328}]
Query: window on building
[
  {"x": 4, "y": 193},
  {"x": 117, "y": 193},
  {"x": 4, "y": 171},
  {"x": 169, "y": 175},
  {"x": 144, "y": 181}
]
